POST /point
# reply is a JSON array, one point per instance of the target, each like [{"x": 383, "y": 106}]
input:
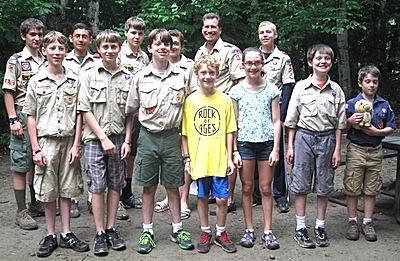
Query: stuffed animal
[{"x": 364, "y": 106}]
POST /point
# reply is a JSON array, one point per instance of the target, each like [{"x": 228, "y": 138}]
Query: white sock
[
  {"x": 300, "y": 222},
  {"x": 266, "y": 232},
  {"x": 353, "y": 219},
  {"x": 319, "y": 223},
  {"x": 148, "y": 228},
  {"x": 206, "y": 229},
  {"x": 367, "y": 220},
  {"x": 219, "y": 229},
  {"x": 176, "y": 227}
]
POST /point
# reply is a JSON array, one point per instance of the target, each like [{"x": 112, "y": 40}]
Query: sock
[
  {"x": 74, "y": 200},
  {"x": 319, "y": 223},
  {"x": 250, "y": 230},
  {"x": 100, "y": 232},
  {"x": 32, "y": 193},
  {"x": 206, "y": 229},
  {"x": 219, "y": 229},
  {"x": 176, "y": 227},
  {"x": 367, "y": 220},
  {"x": 64, "y": 234},
  {"x": 353, "y": 219},
  {"x": 127, "y": 190},
  {"x": 20, "y": 198},
  {"x": 148, "y": 228},
  {"x": 300, "y": 222},
  {"x": 89, "y": 199},
  {"x": 266, "y": 232}
]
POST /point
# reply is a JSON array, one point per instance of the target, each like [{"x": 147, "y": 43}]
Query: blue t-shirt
[
  {"x": 382, "y": 117},
  {"x": 255, "y": 116}
]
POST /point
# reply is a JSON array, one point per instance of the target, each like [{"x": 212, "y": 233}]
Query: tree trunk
[
  {"x": 93, "y": 14},
  {"x": 343, "y": 50}
]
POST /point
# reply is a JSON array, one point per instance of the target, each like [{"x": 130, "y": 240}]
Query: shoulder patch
[
  {"x": 12, "y": 60},
  {"x": 285, "y": 53}
]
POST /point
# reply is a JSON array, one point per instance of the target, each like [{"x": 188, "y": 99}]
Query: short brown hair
[
  {"x": 110, "y": 36},
  {"x": 369, "y": 69},
  {"x": 213, "y": 16},
  {"x": 177, "y": 33},
  {"x": 165, "y": 37},
  {"x": 322, "y": 48},
  {"x": 29, "y": 24},
  {"x": 135, "y": 22}
]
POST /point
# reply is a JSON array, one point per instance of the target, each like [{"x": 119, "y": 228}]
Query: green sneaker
[
  {"x": 182, "y": 237},
  {"x": 146, "y": 243}
]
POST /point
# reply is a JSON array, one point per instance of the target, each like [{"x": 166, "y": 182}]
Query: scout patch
[
  {"x": 70, "y": 81},
  {"x": 26, "y": 77},
  {"x": 128, "y": 67},
  {"x": 9, "y": 81},
  {"x": 124, "y": 95},
  {"x": 127, "y": 76},
  {"x": 237, "y": 56},
  {"x": 150, "y": 110},
  {"x": 26, "y": 66},
  {"x": 12, "y": 60},
  {"x": 178, "y": 98},
  {"x": 289, "y": 63},
  {"x": 69, "y": 99}
]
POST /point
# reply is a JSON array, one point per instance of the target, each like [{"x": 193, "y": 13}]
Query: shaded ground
[{"x": 17, "y": 244}]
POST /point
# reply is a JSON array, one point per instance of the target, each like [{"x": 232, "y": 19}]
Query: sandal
[
  {"x": 161, "y": 206},
  {"x": 185, "y": 213}
]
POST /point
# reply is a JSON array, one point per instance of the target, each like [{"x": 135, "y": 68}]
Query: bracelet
[
  {"x": 13, "y": 120},
  {"x": 36, "y": 152},
  {"x": 186, "y": 156},
  {"x": 127, "y": 142},
  {"x": 235, "y": 153}
]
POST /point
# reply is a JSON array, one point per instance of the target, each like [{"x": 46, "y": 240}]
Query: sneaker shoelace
[
  {"x": 45, "y": 242},
  {"x": 269, "y": 238},
  {"x": 113, "y": 233},
  {"x": 184, "y": 235},
  {"x": 204, "y": 238},
  {"x": 146, "y": 238},
  {"x": 225, "y": 238}
]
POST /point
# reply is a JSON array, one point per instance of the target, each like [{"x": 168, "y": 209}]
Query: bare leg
[
  {"x": 247, "y": 179},
  {"x": 222, "y": 210},
  {"x": 65, "y": 208},
  {"x": 148, "y": 204},
  {"x": 50, "y": 210},
  {"x": 112, "y": 206},
  {"x": 300, "y": 204},
  {"x": 322, "y": 204},
  {"x": 266, "y": 174},
  {"x": 174, "y": 201},
  {"x": 98, "y": 210},
  {"x": 352, "y": 206},
  {"x": 369, "y": 205},
  {"x": 202, "y": 208}
]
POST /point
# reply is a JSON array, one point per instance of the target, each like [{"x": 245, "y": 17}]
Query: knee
[{"x": 222, "y": 201}]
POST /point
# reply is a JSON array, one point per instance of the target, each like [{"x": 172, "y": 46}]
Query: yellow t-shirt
[{"x": 205, "y": 123}]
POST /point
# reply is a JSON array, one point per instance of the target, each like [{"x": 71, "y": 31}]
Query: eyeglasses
[{"x": 250, "y": 64}]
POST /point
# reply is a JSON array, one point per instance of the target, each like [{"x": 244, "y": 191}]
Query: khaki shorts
[
  {"x": 159, "y": 158},
  {"x": 20, "y": 149},
  {"x": 362, "y": 172},
  {"x": 58, "y": 178}
]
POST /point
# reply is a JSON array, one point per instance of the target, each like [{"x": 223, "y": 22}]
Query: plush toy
[{"x": 364, "y": 106}]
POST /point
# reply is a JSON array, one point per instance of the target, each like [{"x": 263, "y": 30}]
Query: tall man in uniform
[
  {"x": 20, "y": 68},
  {"x": 230, "y": 72},
  {"x": 79, "y": 60},
  {"x": 279, "y": 71}
]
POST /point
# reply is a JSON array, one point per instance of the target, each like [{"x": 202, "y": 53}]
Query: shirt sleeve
[
  {"x": 11, "y": 74},
  {"x": 84, "y": 96},
  {"x": 30, "y": 100}
]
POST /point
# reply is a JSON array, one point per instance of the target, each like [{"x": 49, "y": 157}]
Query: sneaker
[
  {"x": 75, "y": 209},
  {"x": 100, "y": 244},
  {"x": 212, "y": 199},
  {"x": 256, "y": 202},
  {"x": 231, "y": 208},
  {"x": 121, "y": 212},
  {"x": 132, "y": 202},
  {"x": 182, "y": 237},
  {"x": 248, "y": 239},
  {"x": 36, "y": 210},
  {"x": 321, "y": 239},
  {"x": 283, "y": 206},
  {"x": 71, "y": 241},
  {"x": 302, "y": 238},
  {"x": 270, "y": 241},
  {"x": 146, "y": 243},
  {"x": 225, "y": 243},
  {"x": 47, "y": 246},
  {"x": 114, "y": 240},
  {"x": 204, "y": 245},
  {"x": 352, "y": 231},
  {"x": 24, "y": 220},
  {"x": 369, "y": 232}
]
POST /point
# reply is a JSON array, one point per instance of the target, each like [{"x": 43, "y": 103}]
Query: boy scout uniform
[
  {"x": 278, "y": 68},
  {"x": 104, "y": 94},
  {"x": 186, "y": 64},
  {"x": 72, "y": 62},
  {"x": 130, "y": 60},
  {"x": 230, "y": 60},
  {"x": 54, "y": 105},
  {"x": 20, "y": 68}
]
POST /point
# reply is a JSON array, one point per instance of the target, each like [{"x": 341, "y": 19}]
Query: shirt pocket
[
  {"x": 98, "y": 94},
  {"x": 331, "y": 109},
  {"x": 122, "y": 96},
  {"x": 44, "y": 98},
  {"x": 70, "y": 96},
  {"x": 177, "y": 94},
  {"x": 148, "y": 97},
  {"x": 308, "y": 105}
]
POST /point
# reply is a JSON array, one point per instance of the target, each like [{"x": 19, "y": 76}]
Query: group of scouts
[{"x": 185, "y": 124}]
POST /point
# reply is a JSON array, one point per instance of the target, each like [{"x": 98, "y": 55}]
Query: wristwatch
[{"x": 13, "y": 120}]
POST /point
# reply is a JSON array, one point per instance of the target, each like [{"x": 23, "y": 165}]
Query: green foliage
[{"x": 4, "y": 139}]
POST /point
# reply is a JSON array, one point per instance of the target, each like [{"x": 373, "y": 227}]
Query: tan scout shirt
[
  {"x": 104, "y": 94},
  {"x": 20, "y": 68},
  {"x": 278, "y": 68},
  {"x": 186, "y": 64},
  {"x": 72, "y": 62},
  {"x": 159, "y": 99},
  {"x": 230, "y": 59},
  {"x": 131, "y": 61},
  {"x": 316, "y": 109},
  {"x": 53, "y": 104}
]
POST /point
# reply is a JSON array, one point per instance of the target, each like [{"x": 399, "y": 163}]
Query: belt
[
  {"x": 317, "y": 133},
  {"x": 163, "y": 132}
]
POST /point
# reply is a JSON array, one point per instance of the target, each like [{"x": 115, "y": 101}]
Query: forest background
[{"x": 360, "y": 32}]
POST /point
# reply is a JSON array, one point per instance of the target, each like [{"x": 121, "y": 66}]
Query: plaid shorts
[{"x": 104, "y": 170}]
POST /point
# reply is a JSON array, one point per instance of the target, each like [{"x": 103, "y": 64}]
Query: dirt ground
[{"x": 17, "y": 244}]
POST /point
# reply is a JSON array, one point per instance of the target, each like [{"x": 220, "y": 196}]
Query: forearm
[
  {"x": 78, "y": 130},
  {"x": 9, "y": 103},
  {"x": 31, "y": 124},
  {"x": 94, "y": 125},
  {"x": 185, "y": 147},
  {"x": 229, "y": 144},
  {"x": 338, "y": 135},
  {"x": 128, "y": 128}
]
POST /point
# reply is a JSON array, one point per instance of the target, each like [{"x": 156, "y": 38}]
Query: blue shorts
[
  {"x": 217, "y": 185},
  {"x": 255, "y": 150},
  {"x": 313, "y": 162}
]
